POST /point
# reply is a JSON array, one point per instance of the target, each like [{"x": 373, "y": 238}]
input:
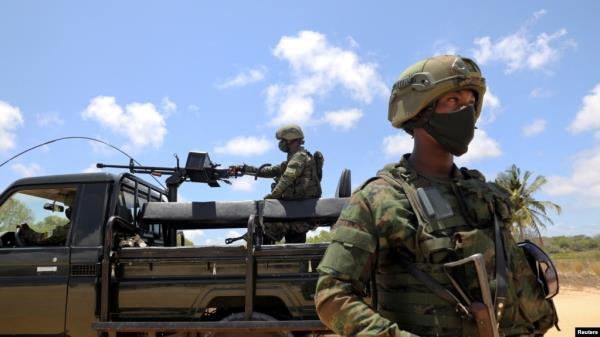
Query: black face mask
[
  {"x": 453, "y": 131},
  {"x": 283, "y": 145}
]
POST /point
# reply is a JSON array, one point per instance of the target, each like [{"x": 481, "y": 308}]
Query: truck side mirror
[{"x": 53, "y": 207}]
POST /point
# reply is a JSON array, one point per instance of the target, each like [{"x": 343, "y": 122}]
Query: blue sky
[{"x": 157, "y": 78}]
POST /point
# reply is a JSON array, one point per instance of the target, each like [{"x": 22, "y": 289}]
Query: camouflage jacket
[
  {"x": 295, "y": 178},
  {"x": 379, "y": 226}
]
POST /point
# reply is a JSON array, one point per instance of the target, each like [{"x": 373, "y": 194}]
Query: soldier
[
  {"x": 394, "y": 240},
  {"x": 299, "y": 177}
]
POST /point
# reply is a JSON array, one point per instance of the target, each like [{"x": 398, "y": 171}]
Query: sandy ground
[{"x": 576, "y": 308}]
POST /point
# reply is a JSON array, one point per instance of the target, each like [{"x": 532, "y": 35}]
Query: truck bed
[{"x": 189, "y": 283}]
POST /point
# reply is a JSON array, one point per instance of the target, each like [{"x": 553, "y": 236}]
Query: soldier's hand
[{"x": 234, "y": 170}]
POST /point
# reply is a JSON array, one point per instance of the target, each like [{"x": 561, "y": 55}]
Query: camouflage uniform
[
  {"x": 388, "y": 231},
  {"x": 379, "y": 225},
  {"x": 296, "y": 178}
]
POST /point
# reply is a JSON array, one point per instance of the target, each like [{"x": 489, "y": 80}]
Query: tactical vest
[
  {"x": 307, "y": 185},
  {"x": 462, "y": 225}
]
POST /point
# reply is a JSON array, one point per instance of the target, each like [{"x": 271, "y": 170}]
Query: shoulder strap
[
  {"x": 413, "y": 200},
  {"x": 501, "y": 272}
]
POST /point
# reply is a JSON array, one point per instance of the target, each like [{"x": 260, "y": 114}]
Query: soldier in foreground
[
  {"x": 299, "y": 177},
  {"x": 427, "y": 242}
]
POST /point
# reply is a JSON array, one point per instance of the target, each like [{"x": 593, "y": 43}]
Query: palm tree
[{"x": 528, "y": 213}]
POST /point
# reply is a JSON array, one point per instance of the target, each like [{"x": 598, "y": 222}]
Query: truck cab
[{"x": 51, "y": 235}]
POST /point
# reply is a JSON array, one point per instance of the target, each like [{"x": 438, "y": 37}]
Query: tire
[{"x": 256, "y": 316}]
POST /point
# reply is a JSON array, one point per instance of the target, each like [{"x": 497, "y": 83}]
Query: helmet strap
[{"x": 420, "y": 119}]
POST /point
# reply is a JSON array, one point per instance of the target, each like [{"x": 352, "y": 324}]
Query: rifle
[{"x": 483, "y": 313}]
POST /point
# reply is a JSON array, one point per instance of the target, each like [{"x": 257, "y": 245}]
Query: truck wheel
[{"x": 256, "y": 316}]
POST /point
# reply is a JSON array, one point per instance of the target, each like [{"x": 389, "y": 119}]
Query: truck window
[
  {"x": 37, "y": 217},
  {"x": 130, "y": 200}
]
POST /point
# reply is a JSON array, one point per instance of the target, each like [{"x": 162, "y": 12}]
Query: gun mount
[{"x": 198, "y": 168}]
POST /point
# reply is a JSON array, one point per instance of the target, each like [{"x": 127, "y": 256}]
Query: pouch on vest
[
  {"x": 348, "y": 253},
  {"x": 478, "y": 196},
  {"x": 473, "y": 242}
]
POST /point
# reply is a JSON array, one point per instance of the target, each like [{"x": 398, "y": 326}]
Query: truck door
[{"x": 34, "y": 259}]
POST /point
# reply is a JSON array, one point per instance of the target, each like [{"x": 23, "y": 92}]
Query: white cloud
[
  {"x": 10, "y": 119},
  {"x": 534, "y": 128},
  {"x": 540, "y": 92},
  {"x": 168, "y": 106},
  {"x": 443, "y": 47},
  {"x": 343, "y": 119},
  {"x": 248, "y": 77},
  {"x": 194, "y": 235},
  {"x": 49, "y": 119},
  {"x": 519, "y": 51},
  {"x": 140, "y": 123},
  {"x": 233, "y": 234},
  {"x": 243, "y": 184},
  {"x": 319, "y": 67},
  {"x": 245, "y": 146},
  {"x": 588, "y": 117},
  {"x": 91, "y": 169},
  {"x": 491, "y": 107},
  {"x": 397, "y": 145},
  {"x": 193, "y": 107},
  {"x": 294, "y": 109},
  {"x": 482, "y": 147},
  {"x": 584, "y": 180},
  {"x": 31, "y": 170}
]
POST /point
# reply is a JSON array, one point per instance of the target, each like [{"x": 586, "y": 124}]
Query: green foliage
[
  {"x": 529, "y": 213},
  {"x": 573, "y": 246},
  {"x": 49, "y": 223},
  {"x": 324, "y": 236},
  {"x": 14, "y": 212}
]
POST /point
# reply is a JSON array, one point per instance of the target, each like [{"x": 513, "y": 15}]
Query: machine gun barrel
[{"x": 141, "y": 169}]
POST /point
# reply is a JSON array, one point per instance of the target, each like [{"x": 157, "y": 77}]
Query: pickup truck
[{"x": 66, "y": 268}]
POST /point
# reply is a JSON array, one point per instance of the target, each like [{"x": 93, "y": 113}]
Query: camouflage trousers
[{"x": 294, "y": 231}]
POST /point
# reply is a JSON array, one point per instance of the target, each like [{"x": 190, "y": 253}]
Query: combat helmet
[
  {"x": 427, "y": 80},
  {"x": 289, "y": 132}
]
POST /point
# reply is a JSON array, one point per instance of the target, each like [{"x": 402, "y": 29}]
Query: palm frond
[{"x": 528, "y": 212}]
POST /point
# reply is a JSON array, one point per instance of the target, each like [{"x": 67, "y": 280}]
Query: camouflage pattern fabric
[
  {"x": 291, "y": 230},
  {"x": 379, "y": 226},
  {"x": 295, "y": 178}
]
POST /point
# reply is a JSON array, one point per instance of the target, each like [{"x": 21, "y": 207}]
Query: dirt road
[{"x": 576, "y": 308}]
